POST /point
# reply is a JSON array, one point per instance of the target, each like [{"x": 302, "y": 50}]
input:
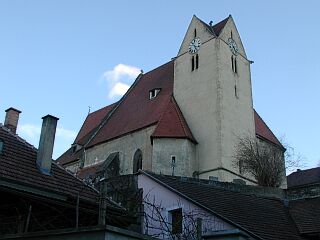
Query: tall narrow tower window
[
  {"x": 197, "y": 61},
  {"x": 236, "y": 91},
  {"x": 235, "y": 65},
  {"x": 192, "y": 63},
  {"x": 232, "y": 63},
  {"x": 195, "y": 33}
]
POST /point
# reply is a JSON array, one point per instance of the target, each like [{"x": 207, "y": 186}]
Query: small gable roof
[
  {"x": 264, "y": 217},
  {"x": 172, "y": 124},
  {"x": 304, "y": 177}
]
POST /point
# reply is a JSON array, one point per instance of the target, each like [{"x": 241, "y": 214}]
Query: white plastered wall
[
  {"x": 126, "y": 146},
  {"x": 182, "y": 149}
]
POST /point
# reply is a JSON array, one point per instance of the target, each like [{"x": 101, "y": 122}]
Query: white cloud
[
  {"x": 119, "y": 79},
  {"x": 121, "y": 71},
  {"x": 64, "y": 137},
  {"x": 65, "y": 133},
  {"x": 118, "y": 89},
  {"x": 29, "y": 131},
  {"x": 33, "y": 132}
]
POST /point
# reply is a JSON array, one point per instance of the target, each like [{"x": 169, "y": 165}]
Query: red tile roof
[
  {"x": 264, "y": 131},
  {"x": 91, "y": 122},
  {"x": 172, "y": 124},
  {"x": 304, "y": 177},
  {"x": 136, "y": 110},
  {"x": 217, "y": 28},
  {"x": 18, "y": 165}
]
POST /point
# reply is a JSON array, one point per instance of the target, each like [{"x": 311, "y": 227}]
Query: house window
[
  {"x": 1, "y": 146},
  {"x": 153, "y": 93},
  {"x": 176, "y": 220}
]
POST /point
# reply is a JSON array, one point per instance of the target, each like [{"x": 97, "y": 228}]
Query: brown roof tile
[
  {"x": 267, "y": 218},
  {"x": 172, "y": 124},
  {"x": 264, "y": 131},
  {"x": 18, "y": 165},
  {"x": 304, "y": 177},
  {"x": 137, "y": 111},
  {"x": 306, "y": 215}
]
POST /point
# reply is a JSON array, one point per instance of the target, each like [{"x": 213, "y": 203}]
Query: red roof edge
[
  {"x": 172, "y": 124},
  {"x": 263, "y": 131}
]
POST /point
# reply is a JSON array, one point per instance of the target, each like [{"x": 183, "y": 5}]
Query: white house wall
[{"x": 155, "y": 194}]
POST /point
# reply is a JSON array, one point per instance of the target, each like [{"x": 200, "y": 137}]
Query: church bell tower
[{"x": 212, "y": 86}]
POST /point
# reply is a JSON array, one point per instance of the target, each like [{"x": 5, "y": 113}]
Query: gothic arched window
[{"x": 137, "y": 161}]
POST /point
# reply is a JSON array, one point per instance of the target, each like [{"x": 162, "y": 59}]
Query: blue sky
[{"x": 59, "y": 57}]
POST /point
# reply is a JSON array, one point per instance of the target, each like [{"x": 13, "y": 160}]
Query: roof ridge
[
  {"x": 20, "y": 139},
  {"x": 180, "y": 116}
]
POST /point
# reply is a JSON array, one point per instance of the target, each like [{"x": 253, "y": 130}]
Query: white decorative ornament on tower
[{"x": 194, "y": 45}]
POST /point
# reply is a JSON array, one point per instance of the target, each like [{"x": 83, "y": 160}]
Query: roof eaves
[{"x": 199, "y": 204}]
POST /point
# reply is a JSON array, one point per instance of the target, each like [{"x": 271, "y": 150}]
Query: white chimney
[{"x": 48, "y": 132}]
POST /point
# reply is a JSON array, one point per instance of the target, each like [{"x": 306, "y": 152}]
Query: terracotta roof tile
[
  {"x": 304, "y": 177},
  {"x": 18, "y": 164},
  {"x": 264, "y": 131},
  {"x": 137, "y": 111},
  {"x": 92, "y": 121},
  {"x": 172, "y": 124}
]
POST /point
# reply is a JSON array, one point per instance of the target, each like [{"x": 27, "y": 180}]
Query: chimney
[
  {"x": 12, "y": 118},
  {"x": 48, "y": 132}
]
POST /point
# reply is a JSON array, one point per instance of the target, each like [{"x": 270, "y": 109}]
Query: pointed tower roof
[{"x": 172, "y": 124}]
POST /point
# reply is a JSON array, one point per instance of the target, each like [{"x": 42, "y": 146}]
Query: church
[{"x": 183, "y": 118}]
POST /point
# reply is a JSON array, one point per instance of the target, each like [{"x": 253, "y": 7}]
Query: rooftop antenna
[{"x": 89, "y": 110}]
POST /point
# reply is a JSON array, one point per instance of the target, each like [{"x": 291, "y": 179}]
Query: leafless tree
[
  {"x": 189, "y": 226},
  {"x": 266, "y": 162}
]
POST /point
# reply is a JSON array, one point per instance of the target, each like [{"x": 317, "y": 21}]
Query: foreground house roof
[
  {"x": 304, "y": 177},
  {"x": 264, "y": 217},
  {"x": 18, "y": 170}
]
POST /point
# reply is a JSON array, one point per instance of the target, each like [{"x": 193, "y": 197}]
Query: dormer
[{"x": 154, "y": 93}]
